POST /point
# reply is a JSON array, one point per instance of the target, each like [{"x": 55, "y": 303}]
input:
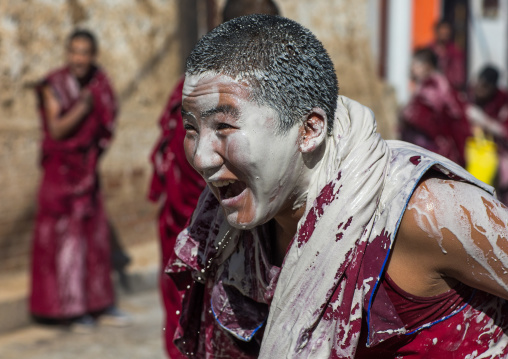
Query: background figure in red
[
  {"x": 176, "y": 184},
  {"x": 435, "y": 117},
  {"x": 71, "y": 247},
  {"x": 451, "y": 59},
  {"x": 490, "y": 112}
]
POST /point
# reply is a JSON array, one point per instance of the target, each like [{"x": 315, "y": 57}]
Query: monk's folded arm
[{"x": 61, "y": 126}]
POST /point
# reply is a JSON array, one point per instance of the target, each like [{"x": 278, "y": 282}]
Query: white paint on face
[
  {"x": 233, "y": 143},
  {"x": 208, "y": 100}
]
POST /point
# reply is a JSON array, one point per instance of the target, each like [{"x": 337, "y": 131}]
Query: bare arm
[
  {"x": 479, "y": 118},
  {"x": 451, "y": 232},
  {"x": 61, "y": 127}
]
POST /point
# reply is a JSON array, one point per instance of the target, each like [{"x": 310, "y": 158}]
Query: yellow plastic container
[{"x": 482, "y": 160}]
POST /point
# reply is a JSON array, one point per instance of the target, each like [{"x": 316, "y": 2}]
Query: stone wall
[{"x": 142, "y": 46}]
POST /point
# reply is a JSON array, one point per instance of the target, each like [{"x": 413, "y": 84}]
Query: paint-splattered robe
[
  {"x": 178, "y": 186},
  {"x": 238, "y": 305},
  {"x": 71, "y": 245}
]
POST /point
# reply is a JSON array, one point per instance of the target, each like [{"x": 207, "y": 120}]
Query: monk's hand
[{"x": 87, "y": 98}]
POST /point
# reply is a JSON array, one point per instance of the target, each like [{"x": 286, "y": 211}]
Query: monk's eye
[
  {"x": 189, "y": 127},
  {"x": 224, "y": 126}
]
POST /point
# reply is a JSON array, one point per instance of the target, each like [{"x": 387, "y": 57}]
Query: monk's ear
[{"x": 313, "y": 130}]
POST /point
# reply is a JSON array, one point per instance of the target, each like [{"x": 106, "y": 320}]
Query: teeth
[{"x": 222, "y": 183}]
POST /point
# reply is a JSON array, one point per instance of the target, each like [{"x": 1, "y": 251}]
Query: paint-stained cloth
[
  {"x": 435, "y": 119},
  {"x": 176, "y": 184},
  {"x": 238, "y": 305},
  {"x": 71, "y": 244}
]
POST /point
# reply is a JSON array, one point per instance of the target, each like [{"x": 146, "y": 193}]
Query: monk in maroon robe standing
[
  {"x": 490, "y": 112},
  {"x": 451, "y": 59},
  {"x": 178, "y": 186},
  {"x": 71, "y": 247},
  {"x": 435, "y": 116}
]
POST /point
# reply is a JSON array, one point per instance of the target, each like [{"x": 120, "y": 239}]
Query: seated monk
[{"x": 316, "y": 238}]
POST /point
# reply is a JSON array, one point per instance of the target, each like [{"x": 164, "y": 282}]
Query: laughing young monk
[{"x": 315, "y": 237}]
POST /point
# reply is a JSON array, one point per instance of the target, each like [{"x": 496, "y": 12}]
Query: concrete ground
[
  {"x": 20, "y": 338},
  {"x": 143, "y": 339}
]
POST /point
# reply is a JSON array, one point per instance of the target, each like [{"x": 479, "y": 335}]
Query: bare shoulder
[
  {"x": 415, "y": 262},
  {"x": 441, "y": 206},
  {"x": 436, "y": 202},
  {"x": 456, "y": 231}
]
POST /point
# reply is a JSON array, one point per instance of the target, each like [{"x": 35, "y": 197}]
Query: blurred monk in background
[
  {"x": 435, "y": 117},
  {"x": 490, "y": 112},
  {"x": 71, "y": 270},
  {"x": 451, "y": 59}
]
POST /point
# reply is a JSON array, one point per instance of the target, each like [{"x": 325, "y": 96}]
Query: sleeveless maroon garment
[
  {"x": 459, "y": 322},
  {"x": 416, "y": 311}
]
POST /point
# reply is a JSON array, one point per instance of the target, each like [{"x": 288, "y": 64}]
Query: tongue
[{"x": 233, "y": 190}]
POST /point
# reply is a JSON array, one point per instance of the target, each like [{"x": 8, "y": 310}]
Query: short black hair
[
  {"x": 237, "y": 8},
  {"x": 427, "y": 56},
  {"x": 84, "y": 34},
  {"x": 285, "y": 64},
  {"x": 490, "y": 75}
]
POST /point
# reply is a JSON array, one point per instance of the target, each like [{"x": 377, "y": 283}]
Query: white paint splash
[{"x": 478, "y": 221}]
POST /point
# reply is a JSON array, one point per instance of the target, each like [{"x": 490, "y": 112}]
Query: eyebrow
[
  {"x": 187, "y": 113},
  {"x": 226, "y": 109}
]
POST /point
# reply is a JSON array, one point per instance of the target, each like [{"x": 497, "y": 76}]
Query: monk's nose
[{"x": 207, "y": 158}]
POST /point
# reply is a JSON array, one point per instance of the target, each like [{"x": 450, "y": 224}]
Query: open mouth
[{"x": 229, "y": 189}]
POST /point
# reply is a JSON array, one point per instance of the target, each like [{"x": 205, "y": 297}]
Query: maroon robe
[
  {"x": 452, "y": 63},
  {"x": 71, "y": 245},
  {"x": 178, "y": 185},
  {"x": 435, "y": 119},
  {"x": 497, "y": 109}
]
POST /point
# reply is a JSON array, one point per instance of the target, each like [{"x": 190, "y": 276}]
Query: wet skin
[
  {"x": 451, "y": 232},
  {"x": 255, "y": 173}
]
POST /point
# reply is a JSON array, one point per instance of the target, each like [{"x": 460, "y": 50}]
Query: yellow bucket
[{"x": 481, "y": 157}]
